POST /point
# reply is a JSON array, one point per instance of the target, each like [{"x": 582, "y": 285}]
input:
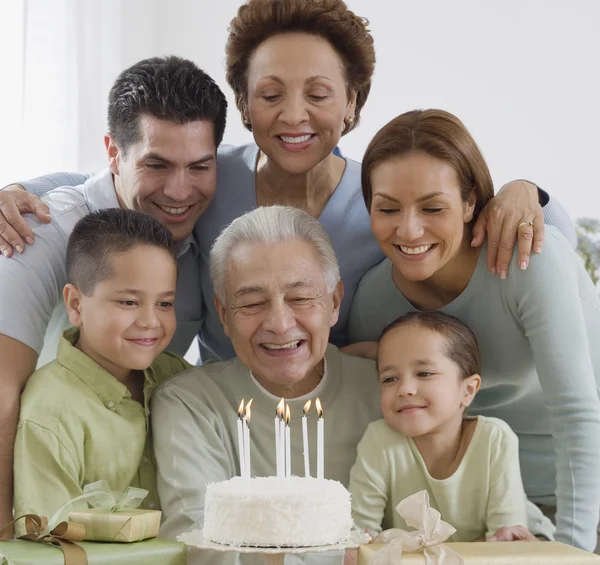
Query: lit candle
[
  {"x": 288, "y": 443},
  {"x": 240, "y": 433},
  {"x": 320, "y": 441},
  {"x": 305, "y": 439},
  {"x": 247, "y": 416},
  {"x": 281, "y": 410},
  {"x": 277, "y": 443},
  {"x": 279, "y": 438}
]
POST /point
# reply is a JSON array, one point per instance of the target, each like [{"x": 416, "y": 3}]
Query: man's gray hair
[{"x": 271, "y": 225}]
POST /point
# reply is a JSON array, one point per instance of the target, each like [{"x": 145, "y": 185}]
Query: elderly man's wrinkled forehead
[{"x": 273, "y": 269}]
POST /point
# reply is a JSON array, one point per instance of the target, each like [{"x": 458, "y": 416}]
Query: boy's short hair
[
  {"x": 462, "y": 347},
  {"x": 99, "y": 235}
]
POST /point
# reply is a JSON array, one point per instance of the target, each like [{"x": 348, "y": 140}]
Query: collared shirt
[
  {"x": 31, "y": 305},
  {"x": 79, "y": 424}
]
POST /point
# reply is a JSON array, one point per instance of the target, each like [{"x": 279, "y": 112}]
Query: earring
[{"x": 350, "y": 120}]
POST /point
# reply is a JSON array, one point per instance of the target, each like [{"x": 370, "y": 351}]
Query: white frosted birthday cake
[{"x": 277, "y": 512}]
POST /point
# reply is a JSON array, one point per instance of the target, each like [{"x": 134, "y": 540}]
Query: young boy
[{"x": 84, "y": 417}]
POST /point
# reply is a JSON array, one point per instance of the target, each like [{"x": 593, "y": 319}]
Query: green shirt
[{"x": 78, "y": 424}]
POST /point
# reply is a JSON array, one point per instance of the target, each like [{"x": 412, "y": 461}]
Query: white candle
[
  {"x": 240, "y": 432},
  {"x": 277, "y": 444},
  {"x": 247, "y": 416},
  {"x": 305, "y": 439},
  {"x": 280, "y": 427},
  {"x": 288, "y": 443},
  {"x": 320, "y": 441},
  {"x": 282, "y": 440}
]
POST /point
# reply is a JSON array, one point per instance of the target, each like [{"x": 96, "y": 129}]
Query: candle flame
[
  {"x": 288, "y": 415},
  {"x": 241, "y": 409},
  {"x": 318, "y": 407},
  {"x": 307, "y": 407},
  {"x": 281, "y": 408},
  {"x": 248, "y": 410}
]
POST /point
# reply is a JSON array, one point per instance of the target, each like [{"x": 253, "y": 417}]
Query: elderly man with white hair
[{"x": 278, "y": 292}]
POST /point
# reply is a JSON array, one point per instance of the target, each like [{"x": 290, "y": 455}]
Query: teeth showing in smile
[
  {"x": 299, "y": 139},
  {"x": 416, "y": 250},
  {"x": 174, "y": 211},
  {"x": 274, "y": 346}
]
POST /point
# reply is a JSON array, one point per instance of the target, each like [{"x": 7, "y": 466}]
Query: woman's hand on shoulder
[
  {"x": 513, "y": 214},
  {"x": 15, "y": 232},
  {"x": 366, "y": 349}
]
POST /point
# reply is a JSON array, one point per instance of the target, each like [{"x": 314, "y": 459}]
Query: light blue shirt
[{"x": 538, "y": 333}]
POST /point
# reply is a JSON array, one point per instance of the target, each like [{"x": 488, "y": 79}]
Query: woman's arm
[
  {"x": 559, "y": 310},
  {"x": 40, "y": 185}
]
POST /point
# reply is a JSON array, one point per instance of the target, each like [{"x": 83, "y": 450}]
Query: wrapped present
[
  {"x": 154, "y": 552},
  {"x": 114, "y": 517},
  {"x": 122, "y": 526},
  {"x": 425, "y": 545},
  {"x": 495, "y": 553}
]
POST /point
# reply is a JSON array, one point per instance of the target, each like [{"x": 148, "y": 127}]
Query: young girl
[{"x": 428, "y": 365}]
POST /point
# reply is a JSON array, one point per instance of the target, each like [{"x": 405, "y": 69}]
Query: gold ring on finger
[{"x": 529, "y": 224}]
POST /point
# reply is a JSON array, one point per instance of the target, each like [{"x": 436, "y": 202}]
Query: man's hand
[
  {"x": 515, "y": 212},
  {"x": 513, "y": 533},
  {"x": 14, "y": 230}
]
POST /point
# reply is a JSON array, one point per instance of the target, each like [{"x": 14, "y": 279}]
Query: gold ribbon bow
[
  {"x": 431, "y": 531},
  {"x": 63, "y": 536}
]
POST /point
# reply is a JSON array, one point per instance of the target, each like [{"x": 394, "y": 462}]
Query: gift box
[
  {"x": 426, "y": 544},
  {"x": 498, "y": 553},
  {"x": 154, "y": 552},
  {"x": 119, "y": 526}
]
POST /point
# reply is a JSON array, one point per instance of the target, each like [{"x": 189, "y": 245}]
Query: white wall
[{"x": 524, "y": 76}]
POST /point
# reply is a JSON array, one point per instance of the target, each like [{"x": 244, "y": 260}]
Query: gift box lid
[
  {"x": 154, "y": 551},
  {"x": 500, "y": 553}
]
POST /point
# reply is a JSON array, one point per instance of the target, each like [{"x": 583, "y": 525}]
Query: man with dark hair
[
  {"x": 166, "y": 119},
  {"x": 81, "y": 419}
]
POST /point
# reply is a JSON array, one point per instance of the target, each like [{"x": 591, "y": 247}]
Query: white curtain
[{"x": 58, "y": 60}]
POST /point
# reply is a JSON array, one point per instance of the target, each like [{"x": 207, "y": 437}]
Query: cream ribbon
[{"x": 431, "y": 531}]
